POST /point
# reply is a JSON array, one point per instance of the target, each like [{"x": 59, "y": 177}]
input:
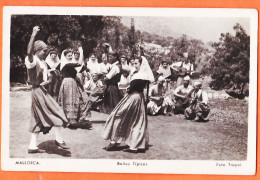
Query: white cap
[
  {"x": 186, "y": 78},
  {"x": 197, "y": 83}
]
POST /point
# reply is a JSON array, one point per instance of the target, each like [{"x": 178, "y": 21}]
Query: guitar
[
  {"x": 181, "y": 71},
  {"x": 185, "y": 99}
]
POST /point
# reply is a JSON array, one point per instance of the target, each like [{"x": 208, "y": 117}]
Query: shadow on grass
[
  {"x": 124, "y": 146},
  {"x": 51, "y": 148},
  {"x": 118, "y": 148}
]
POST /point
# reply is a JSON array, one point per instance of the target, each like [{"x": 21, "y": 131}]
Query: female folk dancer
[
  {"x": 128, "y": 121},
  {"x": 46, "y": 113},
  {"x": 72, "y": 98}
]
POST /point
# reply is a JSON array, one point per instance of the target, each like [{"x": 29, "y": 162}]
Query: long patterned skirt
[
  {"x": 128, "y": 122},
  {"x": 73, "y": 101},
  {"x": 46, "y": 112}
]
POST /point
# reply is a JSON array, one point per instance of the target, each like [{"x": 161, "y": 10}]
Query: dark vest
[{"x": 114, "y": 80}]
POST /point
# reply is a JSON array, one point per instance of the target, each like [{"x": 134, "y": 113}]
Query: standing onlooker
[
  {"x": 105, "y": 65},
  {"x": 53, "y": 64},
  {"x": 165, "y": 71},
  {"x": 183, "y": 68}
]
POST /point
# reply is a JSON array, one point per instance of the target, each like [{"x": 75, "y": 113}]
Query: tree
[
  {"x": 230, "y": 66},
  {"x": 117, "y": 40},
  {"x": 132, "y": 37},
  {"x": 60, "y": 32}
]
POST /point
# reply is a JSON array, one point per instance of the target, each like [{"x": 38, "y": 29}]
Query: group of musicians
[{"x": 174, "y": 92}]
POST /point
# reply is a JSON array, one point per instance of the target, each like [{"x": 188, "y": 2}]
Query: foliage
[
  {"x": 60, "y": 32},
  {"x": 230, "y": 66}
]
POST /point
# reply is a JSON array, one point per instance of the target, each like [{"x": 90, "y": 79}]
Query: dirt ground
[{"x": 224, "y": 137}]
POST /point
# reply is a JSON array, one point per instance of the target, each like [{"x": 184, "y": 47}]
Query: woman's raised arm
[{"x": 30, "y": 47}]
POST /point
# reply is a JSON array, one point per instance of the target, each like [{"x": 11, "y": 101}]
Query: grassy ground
[{"x": 224, "y": 137}]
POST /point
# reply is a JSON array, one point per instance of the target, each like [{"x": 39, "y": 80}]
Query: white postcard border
[{"x": 247, "y": 167}]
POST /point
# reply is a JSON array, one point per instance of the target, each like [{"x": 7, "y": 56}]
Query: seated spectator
[
  {"x": 198, "y": 109},
  {"x": 160, "y": 101},
  {"x": 182, "y": 96},
  {"x": 94, "y": 87},
  {"x": 93, "y": 65}
]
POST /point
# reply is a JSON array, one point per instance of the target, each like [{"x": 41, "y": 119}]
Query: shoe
[
  {"x": 32, "y": 151},
  {"x": 72, "y": 126},
  {"x": 85, "y": 124},
  {"x": 141, "y": 150},
  {"x": 111, "y": 146},
  {"x": 135, "y": 151},
  {"x": 61, "y": 145}
]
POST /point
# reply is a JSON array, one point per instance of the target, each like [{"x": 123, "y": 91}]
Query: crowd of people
[{"x": 66, "y": 89}]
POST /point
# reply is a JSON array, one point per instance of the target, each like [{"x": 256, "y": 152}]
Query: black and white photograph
[{"x": 129, "y": 90}]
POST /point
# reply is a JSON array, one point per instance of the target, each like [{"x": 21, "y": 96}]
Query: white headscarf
[
  {"x": 165, "y": 72},
  {"x": 145, "y": 72},
  {"x": 51, "y": 63},
  {"x": 80, "y": 60},
  {"x": 63, "y": 60},
  {"x": 93, "y": 66}
]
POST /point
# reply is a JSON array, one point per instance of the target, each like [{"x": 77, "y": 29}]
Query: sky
[{"x": 205, "y": 29}]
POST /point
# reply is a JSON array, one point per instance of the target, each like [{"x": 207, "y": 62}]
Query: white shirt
[
  {"x": 91, "y": 85},
  {"x": 114, "y": 71},
  {"x": 201, "y": 93},
  {"x": 182, "y": 90},
  {"x": 132, "y": 68},
  {"x": 105, "y": 68},
  {"x": 30, "y": 65},
  {"x": 187, "y": 66},
  {"x": 94, "y": 67},
  {"x": 124, "y": 80}
]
